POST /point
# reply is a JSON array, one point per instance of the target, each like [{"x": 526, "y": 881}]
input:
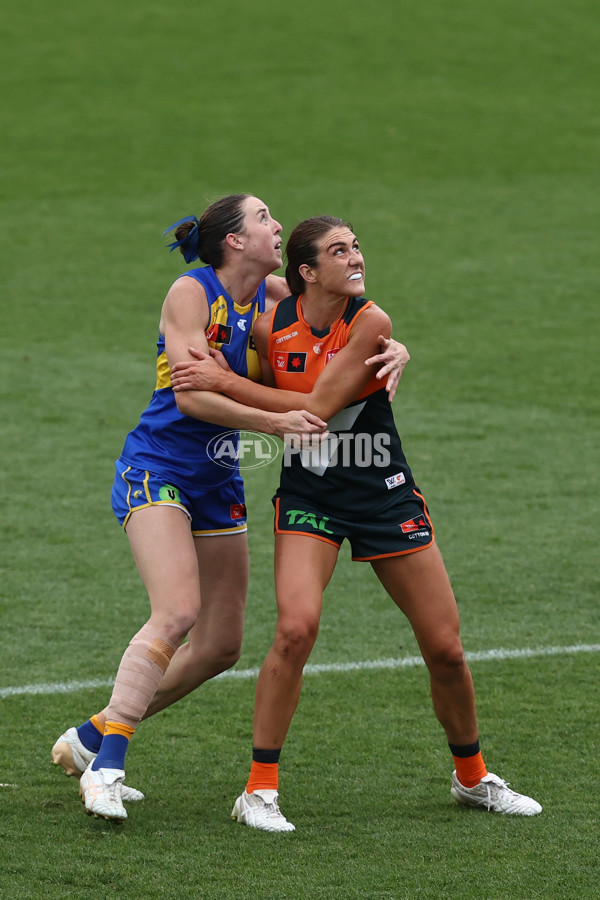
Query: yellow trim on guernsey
[{"x": 163, "y": 372}]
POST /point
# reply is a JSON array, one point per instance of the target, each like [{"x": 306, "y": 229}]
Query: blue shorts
[
  {"x": 403, "y": 528},
  {"x": 215, "y": 511}
]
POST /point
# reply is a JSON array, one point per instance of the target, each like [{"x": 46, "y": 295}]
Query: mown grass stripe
[{"x": 500, "y": 653}]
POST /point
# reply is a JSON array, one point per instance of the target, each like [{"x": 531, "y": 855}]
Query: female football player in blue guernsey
[
  {"x": 357, "y": 485},
  {"x": 180, "y": 509}
]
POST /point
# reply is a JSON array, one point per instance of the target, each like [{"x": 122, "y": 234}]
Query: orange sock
[
  {"x": 98, "y": 721},
  {"x": 470, "y": 769},
  {"x": 263, "y": 777},
  {"x": 125, "y": 731}
]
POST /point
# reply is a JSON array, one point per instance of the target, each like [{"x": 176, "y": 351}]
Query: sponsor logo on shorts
[
  {"x": 314, "y": 521},
  {"x": 237, "y": 510},
  {"x": 286, "y": 361},
  {"x": 395, "y": 480},
  {"x": 168, "y": 493},
  {"x": 243, "y": 450},
  {"x": 419, "y": 534},
  {"x": 413, "y": 524}
]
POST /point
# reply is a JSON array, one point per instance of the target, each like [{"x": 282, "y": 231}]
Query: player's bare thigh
[
  {"x": 419, "y": 585},
  {"x": 223, "y": 566},
  {"x": 303, "y": 568},
  {"x": 164, "y": 551}
]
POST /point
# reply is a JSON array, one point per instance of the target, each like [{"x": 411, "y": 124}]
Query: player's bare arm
[
  {"x": 392, "y": 358},
  {"x": 183, "y": 322},
  {"x": 343, "y": 378},
  {"x": 276, "y": 289}
]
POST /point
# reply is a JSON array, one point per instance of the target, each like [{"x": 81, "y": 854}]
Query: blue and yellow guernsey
[{"x": 165, "y": 441}]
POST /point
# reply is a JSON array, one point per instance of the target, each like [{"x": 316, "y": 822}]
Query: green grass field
[{"x": 462, "y": 142}]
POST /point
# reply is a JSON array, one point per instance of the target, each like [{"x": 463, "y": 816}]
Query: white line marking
[{"x": 406, "y": 662}]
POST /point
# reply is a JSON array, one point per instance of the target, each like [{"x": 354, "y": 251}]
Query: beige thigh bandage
[{"x": 143, "y": 665}]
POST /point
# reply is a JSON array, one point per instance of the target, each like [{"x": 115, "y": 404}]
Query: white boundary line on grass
[{"x": 406, "y": 662}]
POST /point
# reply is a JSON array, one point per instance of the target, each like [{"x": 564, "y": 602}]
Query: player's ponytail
[{"x": 204, "y": 238}]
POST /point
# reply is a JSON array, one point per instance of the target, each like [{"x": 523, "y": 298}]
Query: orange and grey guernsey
[
  {"x": 361, "y": 467},
  {"x": 165, "y": 441}
]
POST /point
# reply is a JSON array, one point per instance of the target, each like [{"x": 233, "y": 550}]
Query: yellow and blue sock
[
  {"x": 91, "y": 733},
  {"x": 114, "y": 746}
]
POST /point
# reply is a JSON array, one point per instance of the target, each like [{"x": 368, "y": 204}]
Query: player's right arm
[
  {"x": 340, "y": 382},
  {"x": 183, "y": 323}
]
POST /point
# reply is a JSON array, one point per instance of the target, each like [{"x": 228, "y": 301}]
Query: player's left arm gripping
[{"x": 340, "y": 382}]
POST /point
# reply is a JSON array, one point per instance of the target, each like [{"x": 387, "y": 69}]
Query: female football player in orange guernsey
[{"x": 312, "y": 348}]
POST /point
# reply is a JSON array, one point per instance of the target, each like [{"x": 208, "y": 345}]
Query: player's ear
[
  {"x": 235, "y": 240},
  {"x": 309, "y": 275}
]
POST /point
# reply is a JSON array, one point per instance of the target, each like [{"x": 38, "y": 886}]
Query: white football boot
[
  {"x": 260, "y": 810},
  {"x": 70, "y": 753},
  {"x": 100, "y": 791},
  {"x": 494, "y": 794}
]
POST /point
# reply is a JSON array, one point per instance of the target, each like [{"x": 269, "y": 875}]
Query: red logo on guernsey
[
  {"x": 331, "y": 353},
  {"x": 285, "y": 361},
  {"x": 413, "y": 525},
  {"x": 219, "y": 334},
  {"x": 395, "y": 480},
  {"x": 238, "y": 511}
]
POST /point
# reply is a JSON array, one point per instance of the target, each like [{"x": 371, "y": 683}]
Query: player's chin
[{"x": 356, "y": 288}]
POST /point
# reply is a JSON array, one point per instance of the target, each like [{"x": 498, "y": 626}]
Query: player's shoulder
[
  {"x": 360, "y": 309},
  {"x": 188, "y": 284},
  {"x": 186, "y": 301},
  {"x": 262, "y": 324},
  {"x": 276, "y": 289}
]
